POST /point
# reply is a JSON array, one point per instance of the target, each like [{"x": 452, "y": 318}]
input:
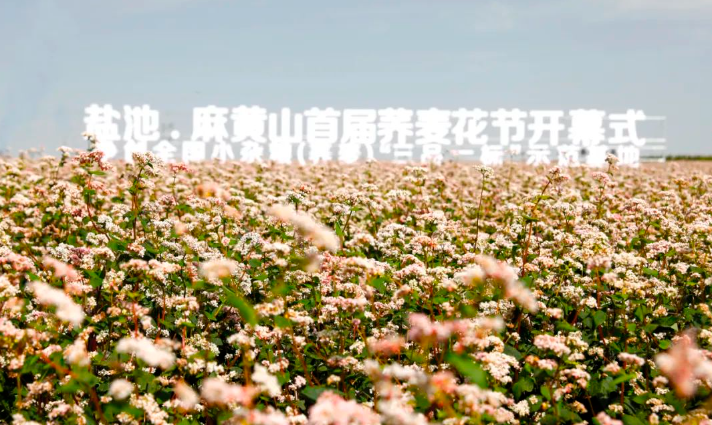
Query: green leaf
[
  {"x": 421, "y": 402},
  {"x": 529, "y": 219},
  {"x": 214, "y": 314},
  {"x": 549, "y": 420},
  {"x": 650, "y": 327},
  {"x": 632, "y": 420},
  {"x": 565, "y": 326},
  {"x": 641, "y": 399},
  {"x": 84, "y": 376},
  {"x": 379, "y": 284},
  {"x": 313, "y": 393},
  {"x": 567, "y": 414},
  {"x": 281, "y": 289},
  {"x": 468, "y": 311},
  {"x": 282, "y": 322},
  {"x": 468, "y": 369},
  {"x": 624, "y": 378},
  {"x": 650, "y": 272},
  {"x": 70, "y": 387},
  {"x": 546, "y": 393},
  {"x": 509, "y": 350},
  {"x": 150, "y": 248},
  {"x": 639, "y": 314},
  {"x": 524, "y": 385},
  {"x": 599, "y": 317},
  {"x": 95, "y": 280},
  {"x": 246, "y": 311},
  {"x": 664, "y": 344},
  {"x": 607, "y": 386},
  {"x": 117, "y": 245}
]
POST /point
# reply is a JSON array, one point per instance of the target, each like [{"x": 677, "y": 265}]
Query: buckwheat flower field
[{"x": 334, "y": 294}]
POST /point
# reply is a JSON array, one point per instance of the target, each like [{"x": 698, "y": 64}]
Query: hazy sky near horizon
[{"x": 57, "y": 57}]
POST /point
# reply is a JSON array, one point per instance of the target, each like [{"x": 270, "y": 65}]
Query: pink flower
[
  {"x": 444, "y": 381},
  {"x": 557, "y": 344},
  {"x": 211, "y": 190},
  {"x": 175, "y": 168},
  {"x": 216, "y": 391},
  {"x": 387, "y": 346},
  {"x": 604, "y": 419},
  {"x": 683, "y": 364},
  {"x": 61, "y": 270},
  {"x": 422, "y": 329},
  {"x": 507, "y": 278},
  {"x": 330, "y": 409}
]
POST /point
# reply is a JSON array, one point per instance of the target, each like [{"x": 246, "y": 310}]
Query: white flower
[
  {"x": 521, "y": 408},
  {"x": 18, "y": 419},
  {"x": 67, "y": 309},
  {"x": 77, "y": 353},
  {"x": 120, "y": 389},
  {"x": 146, "y": 351},
  {"x": 217, "y": 391},
  {"x": 267, "y": 383},
  {"x": 7, "y": 289},
  {"x": 321, "y": 236},
  {"x": 187, "y": 398},
  {"x": 631, "y": 359},
  {"x": 218, "y": 269},
  {"x": 471, "y": 276}
]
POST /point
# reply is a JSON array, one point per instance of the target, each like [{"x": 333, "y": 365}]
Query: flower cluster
[{"x": 357, "y": 294}]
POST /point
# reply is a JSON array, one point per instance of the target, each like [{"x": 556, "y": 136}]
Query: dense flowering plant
[{"x": 333, "y": 294}]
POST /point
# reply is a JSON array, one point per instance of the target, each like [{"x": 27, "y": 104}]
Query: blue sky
[{"x": 57, "y": 57}]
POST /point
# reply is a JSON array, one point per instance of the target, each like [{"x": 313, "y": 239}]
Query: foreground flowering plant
[{"x": 362, "y": 294}]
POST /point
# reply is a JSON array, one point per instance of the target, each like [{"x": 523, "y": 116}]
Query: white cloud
[
  {"x": 131, "y": 7},
  {"x": 663, "y": 5}
]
